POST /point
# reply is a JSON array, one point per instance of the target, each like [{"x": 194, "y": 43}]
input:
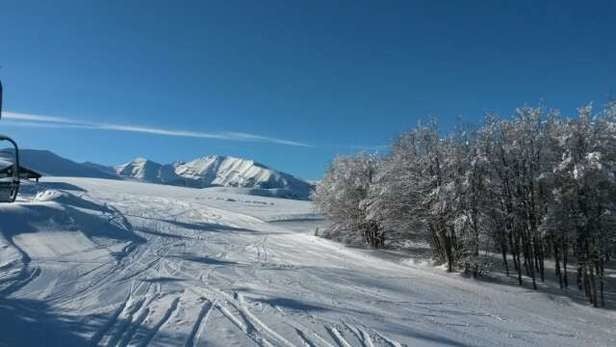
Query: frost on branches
[{"x": 530, "y": 187}]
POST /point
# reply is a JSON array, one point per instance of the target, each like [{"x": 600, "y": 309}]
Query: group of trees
[{"x": 531, "y": 187}]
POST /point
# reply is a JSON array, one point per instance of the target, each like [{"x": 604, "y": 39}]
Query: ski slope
[{"x": 117, "y": 263}]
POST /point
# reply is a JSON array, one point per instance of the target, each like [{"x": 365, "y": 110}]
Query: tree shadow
[
  {"x": 162, "y": 280},
  {"x": 291, "y": 304},
  {"x": 196, "y": 226},
  {"x": 153, "y": 231},
  {"x": 550, "y": 286},
  {"x": 202, "y": 259},
  {"x": 404, "y": 330},
  {"x": 205, "y": 226},
  {"x": 33, "y": 323}
]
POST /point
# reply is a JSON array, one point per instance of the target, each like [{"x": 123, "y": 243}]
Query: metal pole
[{"x": 0, "y": 99}]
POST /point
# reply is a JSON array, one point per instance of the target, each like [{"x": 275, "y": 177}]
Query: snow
[
  {"x": 224, "y": 171},
  {"x": 217, "y": 170},
  {"x": 148, "y": 171},
  {"x": 106, "y": 262}
]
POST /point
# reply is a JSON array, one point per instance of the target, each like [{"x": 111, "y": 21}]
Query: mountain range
[{"x": 208, "y": 171}]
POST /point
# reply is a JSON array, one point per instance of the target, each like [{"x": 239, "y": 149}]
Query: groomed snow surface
[{"x": 119, "y": 263}]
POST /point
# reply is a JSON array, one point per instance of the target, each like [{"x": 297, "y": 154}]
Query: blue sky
[{"x": 288, "y": 83}]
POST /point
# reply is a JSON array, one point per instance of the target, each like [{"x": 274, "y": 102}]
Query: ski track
[
  {"x": 367, "y": 341},
  {"x": 21, "y": 280},
  {"x": 196, "y": 256},
  {"x": 98, "y": 336},
  {"x": 391, "y": 342},
  {"x": 199, "y": 328},
  {"x": 360, "y": 334},
  {"x": 169, "y": 312},
  {"x": 338, "y": 337}
]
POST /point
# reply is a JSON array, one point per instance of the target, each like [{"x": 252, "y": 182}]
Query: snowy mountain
[
  {"x": 218, "y": 171},
  {"x": 236, "y": 172},
  {"x": 238, "y": 175},
  {"x": 145, "y": 170}
]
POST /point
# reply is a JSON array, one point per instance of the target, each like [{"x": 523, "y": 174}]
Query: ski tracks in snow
[
  {"x": 162, "y": 285},
  {"x": 136, "y": 322},
  {"x": 199, "y": 327}
]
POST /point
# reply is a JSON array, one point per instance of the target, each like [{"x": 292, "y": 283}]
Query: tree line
[{"x": 530, "y": 187}]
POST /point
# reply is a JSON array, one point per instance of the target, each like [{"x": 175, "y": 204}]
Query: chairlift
[{"x": 9, "y": 175}]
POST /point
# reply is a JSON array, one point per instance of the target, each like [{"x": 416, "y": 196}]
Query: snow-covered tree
[
  {"x": 533, "y": 186},
  {"x": 341, "y": 196},
  {"x": 583, "y": 205}
]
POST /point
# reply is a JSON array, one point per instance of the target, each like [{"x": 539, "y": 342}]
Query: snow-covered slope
[
  {"x": 90, "y": 262},
  {"x": 221, "y": 171}
]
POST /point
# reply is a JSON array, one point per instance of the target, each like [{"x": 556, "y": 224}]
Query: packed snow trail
[{"x": 115, "y": 263}]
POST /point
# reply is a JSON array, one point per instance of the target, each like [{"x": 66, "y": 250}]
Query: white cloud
[
  {"x": 34, "y": 117},
  {"x": 33, "y": 120}
]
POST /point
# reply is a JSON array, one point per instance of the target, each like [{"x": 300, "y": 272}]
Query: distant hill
[
  {"x": 246, "y": 175},
  {"x": 50, "y": 164},
  {"x": 106, "y": 169}
]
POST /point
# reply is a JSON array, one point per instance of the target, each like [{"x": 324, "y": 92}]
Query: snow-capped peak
[
  {"x": 215, "y": 170},
  {"x": 146, "y": 170}
]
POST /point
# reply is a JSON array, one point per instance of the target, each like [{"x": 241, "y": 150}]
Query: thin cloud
[
  {"x": 33, "y": 120},
  {"x": 376, "y": 148},
  {"x": 34, "y": 117}
]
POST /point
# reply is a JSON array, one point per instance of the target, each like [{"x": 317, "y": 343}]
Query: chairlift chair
[{"x": 9, "y": 177}]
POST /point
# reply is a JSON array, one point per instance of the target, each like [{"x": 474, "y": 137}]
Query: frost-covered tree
[
  {"x": 397, "y": 196},
  {"x": 415, "y": 193},
  {"x": 529, "y": 187},
  {"x": 469, "y": 174},
  {"x": 341, "y": 196},
  {"x": 583, "y": 198}
]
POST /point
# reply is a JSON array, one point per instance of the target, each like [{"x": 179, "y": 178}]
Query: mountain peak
[
  {"x": 217, "y": 171},
  {"x": 138, "y": 160}
]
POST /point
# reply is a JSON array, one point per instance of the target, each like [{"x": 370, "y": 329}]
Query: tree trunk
[
  {"x": 593, "y": 285},
  {"x": 516, "y": 263},
  {"x": 601, "y": 272},
  {"x": 579, "y": 274},
  {"x": 504, "y": 254},
  {"x": 557, "y": 265},
  {"x": 541, "y": 251},
  {"x": 565, "y": 258}
]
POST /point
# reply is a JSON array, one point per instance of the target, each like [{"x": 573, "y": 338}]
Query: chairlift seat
[
  {"x": 11, "y": 175},
  {"x": 8, "y": 190}
]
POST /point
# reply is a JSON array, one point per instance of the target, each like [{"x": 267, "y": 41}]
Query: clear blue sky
[{"x": 337, "y": 76}]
